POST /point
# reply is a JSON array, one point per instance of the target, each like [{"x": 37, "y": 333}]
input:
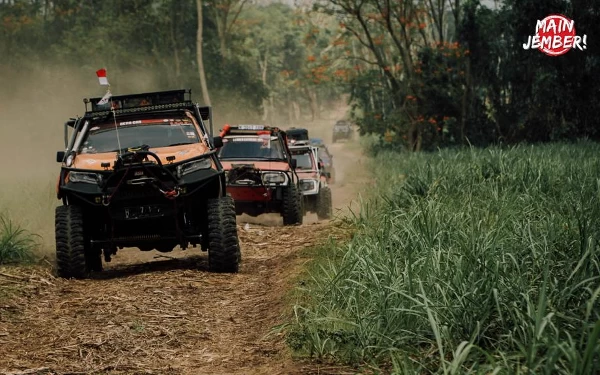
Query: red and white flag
[
  {"x": 105, "y": 98},
  {"x": 102, "y": 77}
]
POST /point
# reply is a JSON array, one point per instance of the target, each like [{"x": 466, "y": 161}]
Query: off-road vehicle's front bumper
[
  {"x": 257, "y": 191},
  {"x": 143, "y": 203}
]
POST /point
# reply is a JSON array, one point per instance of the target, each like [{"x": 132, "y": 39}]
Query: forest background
[{"x": 420, "y": 74}]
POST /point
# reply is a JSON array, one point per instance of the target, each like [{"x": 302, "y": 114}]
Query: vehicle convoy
[
  {"x": 342, "y": 130},
  {"x": 326, "y": 157},
  {"x": 142, "y": 171},
  {"x": 261, "y": 175},
  {"x": 313, "y": 181}
]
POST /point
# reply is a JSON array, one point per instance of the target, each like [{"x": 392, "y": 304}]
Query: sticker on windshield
[
  {"x": 246, "y": 139},
  {"x": 136, "y": 122},
  {"x": 190, "y": 134}
]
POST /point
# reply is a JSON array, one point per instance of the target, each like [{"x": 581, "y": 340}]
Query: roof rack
[
  {"x": 144, "y": 102},
  {"x": 250, "y": 129}
]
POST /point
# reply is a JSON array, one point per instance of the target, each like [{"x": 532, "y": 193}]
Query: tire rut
[{"x": 163, "y": 316}]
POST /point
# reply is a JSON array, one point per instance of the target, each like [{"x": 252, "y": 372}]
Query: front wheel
[
  {"x": 293, "y": 206},
  {"x": 324, "y": 204},
  {"x": 71, "y": 244},
  {"x": 224, "y": 253}
]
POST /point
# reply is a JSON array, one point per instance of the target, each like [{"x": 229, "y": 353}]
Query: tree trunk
[
  {"x": 314, "y": 102},
  {"x": 296, "y": 110},
  {"x": 264, "y": 66},
  {"x": 463, "y": 115},
  {"x": 172, "y": 34},
  {"x": 290, "y": 110},
  {"x": 199, "y": 42}
]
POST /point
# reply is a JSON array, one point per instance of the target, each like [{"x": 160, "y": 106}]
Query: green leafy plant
[{"x": 16, "y": 244}]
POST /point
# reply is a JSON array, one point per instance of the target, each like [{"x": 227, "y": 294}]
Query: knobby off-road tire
[
  {"x": 223, "y": 244},
  {"x": 324, "y": 204},
  {"x": 70, "y": 243},
  {"x": 293, "y": 206}
]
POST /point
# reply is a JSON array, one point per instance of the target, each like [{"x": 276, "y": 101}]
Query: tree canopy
[{"x": 419, "y": 73}]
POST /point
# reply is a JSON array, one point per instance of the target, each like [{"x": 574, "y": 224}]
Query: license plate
[{"x": 141, "y": 212}]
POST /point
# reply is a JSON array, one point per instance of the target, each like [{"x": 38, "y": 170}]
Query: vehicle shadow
[{"x": 196, "y": 262}]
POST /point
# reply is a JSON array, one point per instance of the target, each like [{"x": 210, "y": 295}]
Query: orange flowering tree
[{"x": 394, "y": 45}]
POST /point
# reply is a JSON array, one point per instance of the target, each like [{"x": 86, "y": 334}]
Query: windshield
[
  {"x": 298, "y": 135},
  {"x": 152, "y": 132},
  {"x": 251, "y": 147},
  {"x": 303, "y": 161}
]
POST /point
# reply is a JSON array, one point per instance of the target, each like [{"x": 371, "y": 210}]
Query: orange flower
[
  {"x": 432, "y": 121},
  {"x": 311, "y": 58}
]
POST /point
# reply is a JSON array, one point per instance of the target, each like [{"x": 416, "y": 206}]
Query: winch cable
[
  {"x": 106, "y": 202},
  {"x": 169, "y": 193}
]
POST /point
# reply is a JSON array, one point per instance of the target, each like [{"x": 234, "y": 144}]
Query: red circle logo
[{"x": 554, "y": 32}]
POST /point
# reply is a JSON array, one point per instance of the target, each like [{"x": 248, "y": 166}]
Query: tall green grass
[
  {"x": 29, "y": 202},
  {"x": 17, "y": 245},
  {"x": 466, "y": 261}
]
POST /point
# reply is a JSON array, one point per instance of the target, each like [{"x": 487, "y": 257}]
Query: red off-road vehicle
[{"x": 260, "y": 171}]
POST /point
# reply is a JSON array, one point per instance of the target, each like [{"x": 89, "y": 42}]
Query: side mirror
[
  {"x": 327, "y": 174},
  {"x": 60, "y": 156},
  {"x": 217, "y": 142},
  {"x": 320, "y": 165},
  {"x": 294, "y": 163}
]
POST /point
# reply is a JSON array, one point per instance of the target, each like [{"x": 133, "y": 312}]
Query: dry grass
[{"x": 167, "y": 316}]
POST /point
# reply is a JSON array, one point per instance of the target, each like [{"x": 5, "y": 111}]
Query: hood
[
  {"x": 306, "y": 174},
  {"x": 181, "y": 153},
  {"x": 266, "y": 165}
]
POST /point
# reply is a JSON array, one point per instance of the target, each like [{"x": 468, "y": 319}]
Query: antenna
[{"x": 112, "y": 109}]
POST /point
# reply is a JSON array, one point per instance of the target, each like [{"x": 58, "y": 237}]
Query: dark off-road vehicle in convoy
[
  {"x": 261, "y": 174},
  {"x": 342, "y": 130},
  {"x": 326, "y": 158},
  {"x": 296, "y": 135},
  {"x": 142, "y": 171},
  {"x": 313, "y": 180}
]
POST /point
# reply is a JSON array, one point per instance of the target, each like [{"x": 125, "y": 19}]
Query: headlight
[
  {"x": 274, "y": 178},
  {"x": 306, "y": 185},
  {"x": 193, "y": 166},
  {"x": 85, "y": 177},
  {"x": 69, "y": 161}
]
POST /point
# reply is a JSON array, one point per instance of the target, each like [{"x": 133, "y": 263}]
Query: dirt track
[{"x": 151, "y": 314}]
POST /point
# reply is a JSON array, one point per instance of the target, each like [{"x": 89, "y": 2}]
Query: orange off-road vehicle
[
  {"x": 142, "y": 171},
  {"x": 261, "y": 175}
]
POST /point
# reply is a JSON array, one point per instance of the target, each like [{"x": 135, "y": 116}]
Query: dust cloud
[{"x": 34, "y": 106}]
